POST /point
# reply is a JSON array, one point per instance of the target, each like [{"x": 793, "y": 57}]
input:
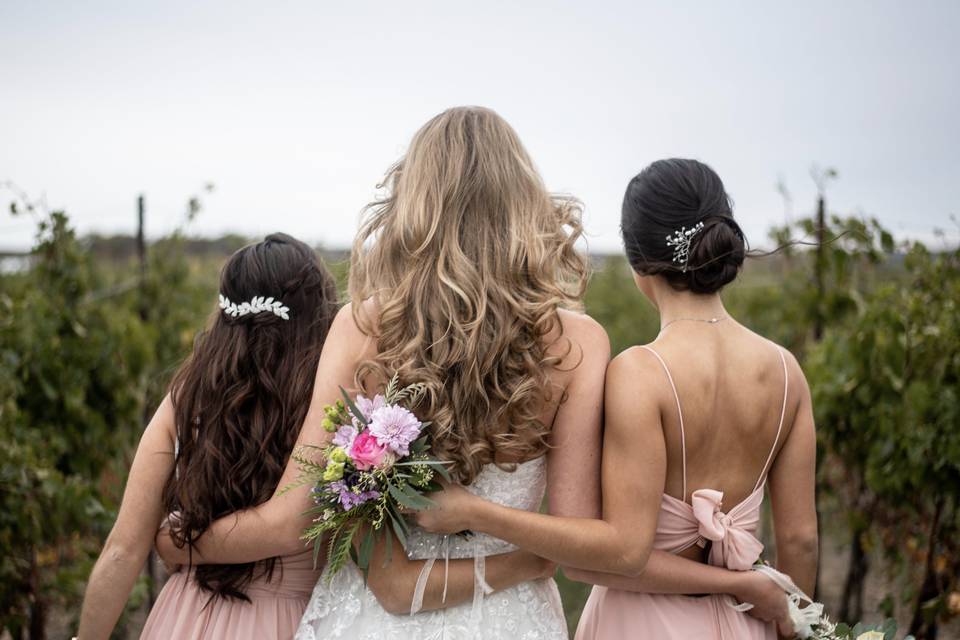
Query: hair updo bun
[{"x": 674, "y": 195}]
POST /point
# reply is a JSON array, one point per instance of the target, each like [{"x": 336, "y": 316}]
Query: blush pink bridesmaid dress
[
  {"x": 186, "y": 612},
  {"x": 612, "y": 614}
]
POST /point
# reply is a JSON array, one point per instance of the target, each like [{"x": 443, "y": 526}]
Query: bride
[{"x": 464, "y": 277}]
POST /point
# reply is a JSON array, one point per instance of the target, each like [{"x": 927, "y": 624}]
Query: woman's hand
[
  {"x": 768, "y": 600},
  {"x": 452, "y": 511},
  {"x": 169, "y": 552},
  {"x": 169, "y": 566},
  {"x": 532, "y": 567}
]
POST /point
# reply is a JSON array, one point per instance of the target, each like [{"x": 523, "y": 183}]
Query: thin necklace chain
[{"x": 713, "y": 320}]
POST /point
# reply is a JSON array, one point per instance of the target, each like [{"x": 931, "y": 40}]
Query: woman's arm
[
  {"x": 130, "y": 539},
  {"x": 576, "y": 439},
  {"x": 574, "y": 490},
  {"x": 274, "y": 527},
  {"x": 621, "y": 542},
  {"x": 668, "y": 573},
  {"x": 393, "y": 585},
  {"x": 792, "y": 483}
]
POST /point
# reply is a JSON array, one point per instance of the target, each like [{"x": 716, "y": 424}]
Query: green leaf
[
  {"x": 341, "y": 542},
  {"x": 420, "y": 444},
  {"x": 353, "y": 408},
  {"x": 441, "y": 468},
  {"x": 409, "y": 499},
  {"x": 385, "y": 535},
  {"x": 366, "y": 549},
  {"x": 889, "y": 629},
  {"x": 317, "y": 542},
  {"x": 399, "y": 526}
]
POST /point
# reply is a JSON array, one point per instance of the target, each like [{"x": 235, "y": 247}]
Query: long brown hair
[
  {"x": 467, "y": 259},
  {"x": 241, "y": 397}
]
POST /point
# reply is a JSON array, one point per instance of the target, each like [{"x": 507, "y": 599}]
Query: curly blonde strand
[{"x": 466, "y": 260}]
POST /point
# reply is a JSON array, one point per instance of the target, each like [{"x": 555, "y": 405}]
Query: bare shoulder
[
  {"x": 635, "y": 361},
  {"x": 584, "y": 331},
  {"x": 636, "y": 377},
  {"x": 795, "y": 376},
  {"x": 345, "y": 321},
  {"x": 635, "y": 391},
  {"x": 348, "y": 341},
  {"x": 351, "y": 319},
  {"x": 162, "y": 427},
  {"x": 583, "y": 347}
]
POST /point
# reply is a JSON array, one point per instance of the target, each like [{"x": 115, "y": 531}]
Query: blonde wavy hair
[{"x": 465, "y": 261}]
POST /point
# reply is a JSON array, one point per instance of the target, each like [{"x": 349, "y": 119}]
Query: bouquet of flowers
[{"x": 377, "y": 464}]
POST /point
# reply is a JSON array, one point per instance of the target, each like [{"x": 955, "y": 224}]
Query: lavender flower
[
  {"x": 350, "y": 500},
  {"x": 352, "y": 497},
  {"x": 395, "y": 428},
  {"x": 345, "y": 436},
  {"x": 337, "y": 487},
  {"x": 368, "y": 406}
]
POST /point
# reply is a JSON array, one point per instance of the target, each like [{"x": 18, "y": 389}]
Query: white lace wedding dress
[{"x": 345, "y": 608}]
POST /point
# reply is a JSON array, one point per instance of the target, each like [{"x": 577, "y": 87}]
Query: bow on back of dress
[{"x": 732, "y": 533}]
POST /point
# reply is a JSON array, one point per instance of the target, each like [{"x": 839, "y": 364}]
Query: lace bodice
[
  {"x": 345, "y": 608},
  {"x": 522, "y": 488}
]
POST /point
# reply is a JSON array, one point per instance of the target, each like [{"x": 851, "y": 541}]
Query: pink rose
[{"x": 366, "y": 452}]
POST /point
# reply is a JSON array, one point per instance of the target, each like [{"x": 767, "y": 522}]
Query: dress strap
[
  {"x": 683, "y": 438},
  {"x": 783, "y": 413}
]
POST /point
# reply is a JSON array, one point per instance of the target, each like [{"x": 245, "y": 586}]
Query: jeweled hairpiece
[
  {"x": 680, "y": 241},
  {"x": 256, "y": 305}
]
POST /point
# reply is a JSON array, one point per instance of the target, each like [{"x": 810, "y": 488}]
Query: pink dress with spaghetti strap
[{"x": 615, "y": 614}]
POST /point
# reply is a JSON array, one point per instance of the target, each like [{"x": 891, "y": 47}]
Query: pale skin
[
  {"x": 732, "y": 394},
  {"x": 274, "y": 527},
  {"x": 573, "y": 481},
  {"x": 141, "y": 513},
  {"x": 129, "y": 542}
]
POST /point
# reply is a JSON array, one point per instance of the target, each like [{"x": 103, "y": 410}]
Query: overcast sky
[{"x": 294, "y": 110}]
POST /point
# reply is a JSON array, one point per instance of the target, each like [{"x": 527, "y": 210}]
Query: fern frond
[
  {"x": 391, "y": 390},
  {"x": 308, "y": 466},
  {"x": 340, "y": 544},
  {"x": 299, "y": 482},
  {"x": 411, "y": 394}
]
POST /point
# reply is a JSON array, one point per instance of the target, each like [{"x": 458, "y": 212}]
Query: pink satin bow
[{"x": 733, "y": 546}]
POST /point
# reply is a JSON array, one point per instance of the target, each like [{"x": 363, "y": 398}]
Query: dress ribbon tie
[{"x": 733, "y": 546}]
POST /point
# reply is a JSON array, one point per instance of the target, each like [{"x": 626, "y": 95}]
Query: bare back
[
  {"x": 731, "y": 390},
  {"x": 730, "y": 384}
]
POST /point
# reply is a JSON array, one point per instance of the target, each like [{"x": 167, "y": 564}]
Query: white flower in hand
[{"x": 806, "y": 618}]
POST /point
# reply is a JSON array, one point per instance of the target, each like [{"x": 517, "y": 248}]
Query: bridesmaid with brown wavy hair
[{"x": 219, "y": 442}]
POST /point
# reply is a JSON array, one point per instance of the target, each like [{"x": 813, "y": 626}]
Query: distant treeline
[{"x": 122, "y": 247}]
